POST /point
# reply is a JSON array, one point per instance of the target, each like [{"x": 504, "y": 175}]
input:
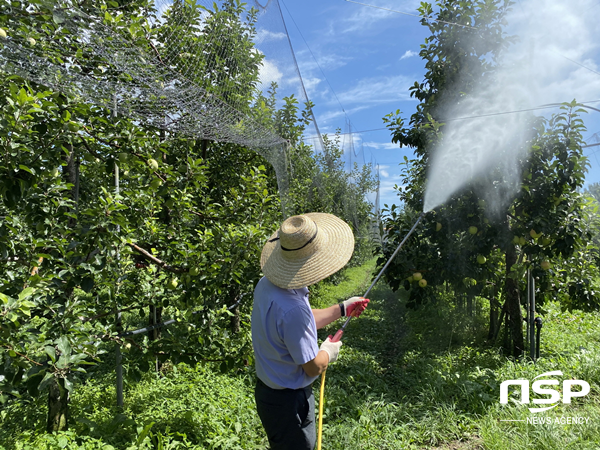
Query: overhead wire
[
  {"x": 348, "y": 121},
  {"x": 313, "y": 55},
  {"x": 299, "y": 73},
  {"x": 549, "y": 106}
]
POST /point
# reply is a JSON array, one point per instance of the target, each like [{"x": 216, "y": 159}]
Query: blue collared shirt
[{"x": 284, "y": 335}]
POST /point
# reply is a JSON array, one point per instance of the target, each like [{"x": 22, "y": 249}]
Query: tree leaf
[{"x": 63, "y": 345}]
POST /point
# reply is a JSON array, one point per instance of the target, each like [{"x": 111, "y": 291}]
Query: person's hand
[
  {"x": 354, "y": 306},
  {"x": 332, "y": 349}
]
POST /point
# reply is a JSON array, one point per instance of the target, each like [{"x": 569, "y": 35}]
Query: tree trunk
[
  {"x": 513, "y": 301},
  {"x": 470, "y": 304},
  {"x": 58, "y": 406}
]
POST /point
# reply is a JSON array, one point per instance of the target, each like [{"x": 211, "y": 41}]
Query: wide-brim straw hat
[{"x": 306, "y": 249}]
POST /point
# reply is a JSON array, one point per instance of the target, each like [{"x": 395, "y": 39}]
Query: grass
[{"x": 405, "y": 379}]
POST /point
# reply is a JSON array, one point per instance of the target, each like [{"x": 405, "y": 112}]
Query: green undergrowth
[{"x": 405, "y": 379}]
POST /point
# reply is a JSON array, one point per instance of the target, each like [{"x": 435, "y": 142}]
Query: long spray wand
[{"x": 338, "y": 335}]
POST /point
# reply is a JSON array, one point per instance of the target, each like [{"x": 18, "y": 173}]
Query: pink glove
[{"x": 354, "y": 306}]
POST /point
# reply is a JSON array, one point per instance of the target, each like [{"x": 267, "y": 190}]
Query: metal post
[
  {"x": 528, "y": 307},
  {"x": 118, "y": 355},
  {"x": 531, "y": 318},
  {"x": 538, "y": 325}
]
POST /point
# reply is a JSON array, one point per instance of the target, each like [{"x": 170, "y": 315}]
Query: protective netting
[{"x": 191, "y": 68}]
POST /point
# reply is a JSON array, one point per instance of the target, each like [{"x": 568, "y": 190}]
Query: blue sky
[{"x": 358, "y": 62}]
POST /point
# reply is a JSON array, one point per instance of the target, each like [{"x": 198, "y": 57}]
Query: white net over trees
[
  {"x": 188, "y": 68},
  {"x": 208, "y": 71}
]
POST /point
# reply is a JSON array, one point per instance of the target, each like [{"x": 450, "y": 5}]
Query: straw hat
[{"x": 306, "y": 249}]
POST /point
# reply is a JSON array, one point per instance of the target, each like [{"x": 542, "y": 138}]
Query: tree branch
[{"x": 157, "y": 261}]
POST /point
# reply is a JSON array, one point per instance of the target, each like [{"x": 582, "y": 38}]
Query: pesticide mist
[{"x": 555, "y": 39}]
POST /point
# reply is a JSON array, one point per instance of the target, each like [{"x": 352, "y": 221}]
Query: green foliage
[
  {"x": 179, "y": 238},
  {"x": 405, "y": 378},
  {"x": 182, "y": 232}
]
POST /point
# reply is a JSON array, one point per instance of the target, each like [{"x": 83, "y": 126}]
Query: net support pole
[
  {"x": 118, "y": 319},
  {"x": 531, "y": 318},
  {"x": 528, "y": 308}
]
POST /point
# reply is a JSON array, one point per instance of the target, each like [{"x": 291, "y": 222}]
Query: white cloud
[
  {"x": 269, "y": 72},
  {"x": 335, "y": 113},
  {"x": 363, "y": 18},
  {"x": 263, "y": 35},
  {"x": 408, "y": 54},
  {"x": 317, "y": 61},
  {"x": 382, "y": 145},
  {"x": 378, "y": 90},
  {"x": 383, "y": 172}
]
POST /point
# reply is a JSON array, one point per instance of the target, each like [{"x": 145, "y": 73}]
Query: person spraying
[{"x": 303, "y": 251}]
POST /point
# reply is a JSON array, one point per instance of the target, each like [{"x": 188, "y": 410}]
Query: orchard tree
[
  {"x": 465, "y": 244},
  {"x": 182, "y": 233}
]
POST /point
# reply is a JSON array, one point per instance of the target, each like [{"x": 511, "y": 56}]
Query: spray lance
[{"x": 338, "y": 334}]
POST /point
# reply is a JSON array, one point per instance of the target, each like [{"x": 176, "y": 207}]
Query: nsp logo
[{"x": 538, "y": 388}]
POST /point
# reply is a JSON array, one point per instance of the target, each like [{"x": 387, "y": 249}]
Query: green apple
[
  {"x": 417, "y": 276},
  {"x": 481, "y": 203},
  {"x": 438, "y": 226},
  {"x": 515, "y": 240},
  {"x": 2, "y": 33},
  {"x": 534, "y": 234},
  {"x": 55, "y": 172},
  {"x": 156, "y": 183},
  {"x": 73, "y": 126},
  {"x": 172, "y": 283},
  {"x": 126, "y": 173},
  {"x": 123, "y": 157},
  {"x": 546, "y": 265},
  {"x": 546, "y": 241},
  {"x": 422, "y": 282},
  {"x": 153, "y": 164},
  {"x": 194, "y": 271},
  {"x": 169, "y": 203},
  {"x": 472, "y": 230},
  {"x": 31, "y": 41},
  {"x": 522, "y": 241},
  {"x": 481, "y": 259}
]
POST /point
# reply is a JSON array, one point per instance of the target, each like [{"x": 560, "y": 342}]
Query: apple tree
[{"x": 466, "y": 244}]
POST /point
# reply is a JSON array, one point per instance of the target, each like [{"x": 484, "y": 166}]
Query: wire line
[
  {"x": 579, "y": 64},
  {"x": 316, "y": 61},
  {"x": 549, "y": 106}
]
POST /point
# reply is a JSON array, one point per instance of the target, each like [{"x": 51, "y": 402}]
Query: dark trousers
[{"x": 288, "y": 416}]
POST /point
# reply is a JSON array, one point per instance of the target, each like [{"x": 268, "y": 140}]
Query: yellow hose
[{"x": 321, "y": 401}]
